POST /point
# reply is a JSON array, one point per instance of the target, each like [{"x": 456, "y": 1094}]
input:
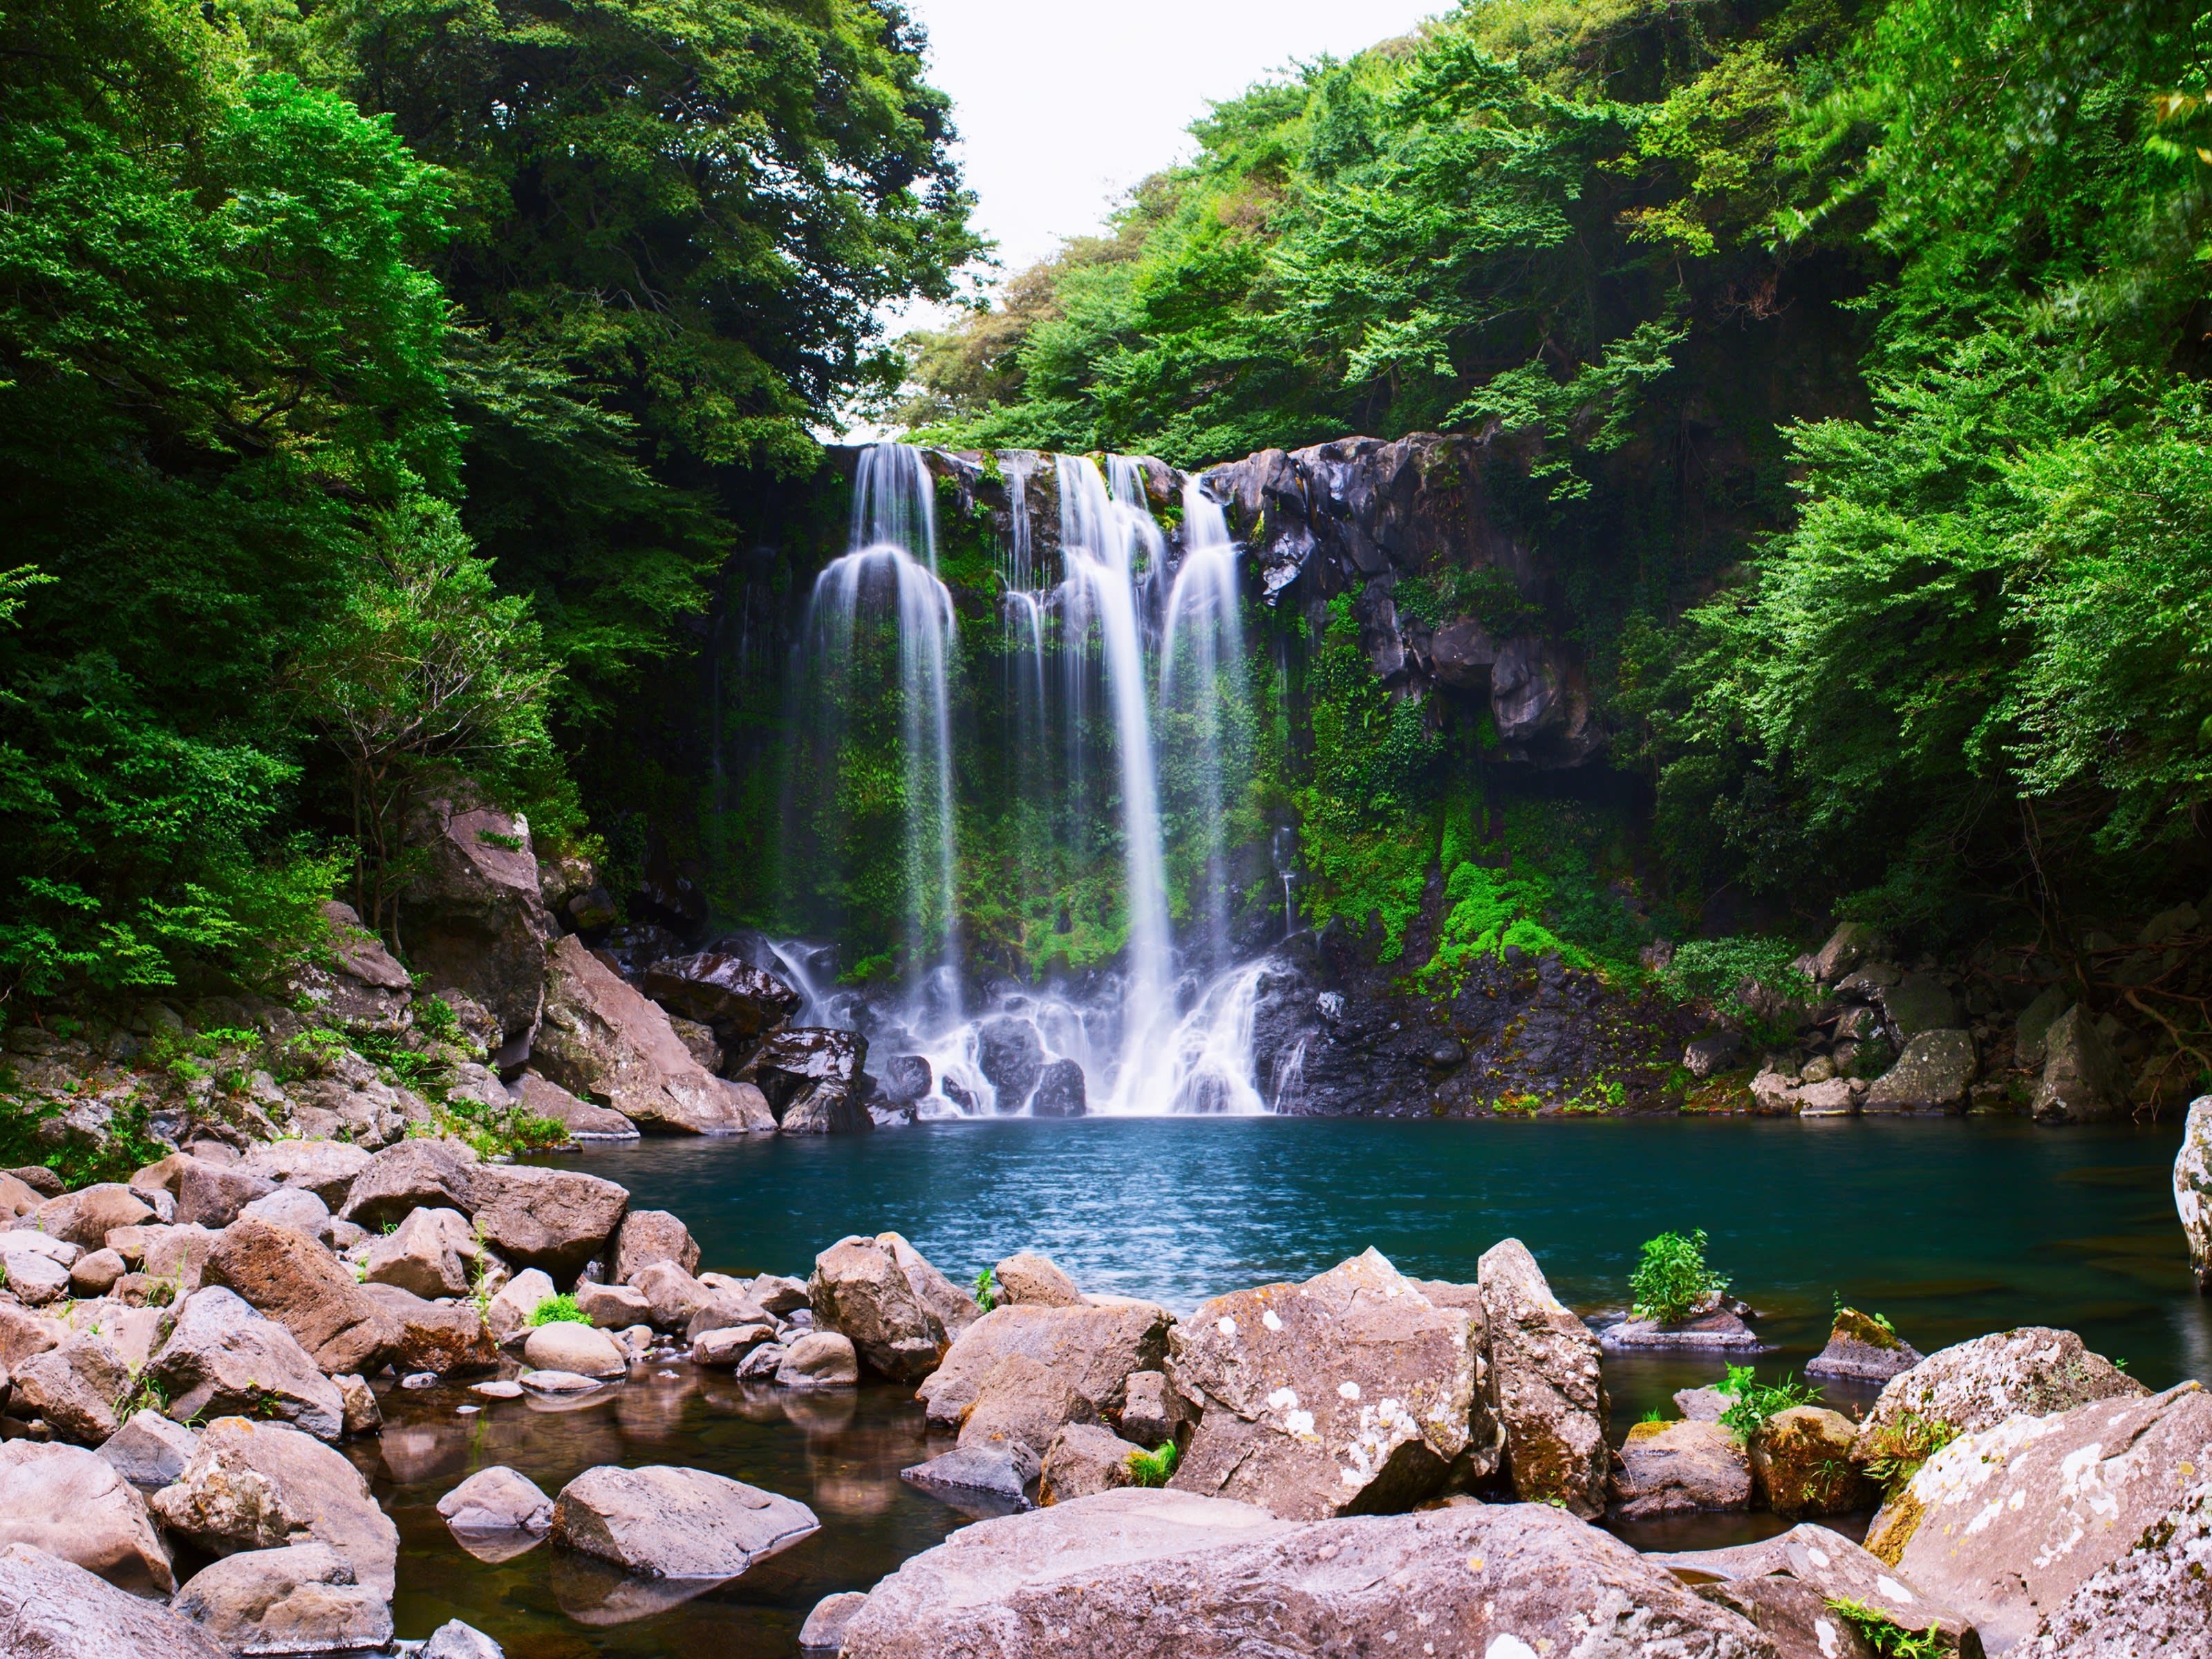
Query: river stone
[
  {"x": 1803, "y": 1459},
  {"x": 1717, "y": 1332},
  {"x": 2082, "y": 1080},
  {"x": 51, "y": 1608},
  {"x": 419, "y": 1173},
  {"x": 261, "y": 1486},
  {"x": 223, "y": 1357},
  {"x": 1349, "y": 1394},
  {"x": 497, "y": 1499},
  {"x": 288, "y": 1277},
  {"x": 74, "y": 1386},
  {"x": 2192, "y": 1188},
  {"x": 824, "y": 1629},
  {"x": 664, "y": 1522},
  {"x": 557, "y": 1383},
  {"x": 671, "y": 1295},
  {"x": 613, "y": 1307},
  {"x": 1860, "y": 1347},
  {"x": 566, "y": 1345},
  {"x": 552, "y": 1219},
  {"x": 868, "y": 1288},
  {"x": 429, "y": 1253},
  {"x": 2006, "y": 1524},
  {"x": 1679, "y": 1468},
  {"x": 455, "y": 1640},
  {"x": 2156, "y": 1599},
  {"x": 1933, "y": 1073},
  {"x": 1840, "y": 1571},
  {"x": 1084, "y": 1458},
  {"x": 76, "y": 1504},
  {"x": 994, "y": 1477},
  {"x": 1096, "y": 1348},
  {"x": 325, "y": 1167},
  {"x": 2034, "y": 1370},
  {"x": 726, "y": 1347},
  {"x": 509, "y": 1312},
  {"x": 1061, "y": 1091},
  {"x": 1170, "y": 1575},
  {"x": 1034, "y": 1281},
  {"x": 150, "y": 1451},
  {"x": 447, "y": 1338},
  {"x": 1024, "y": 1401},
  {"x": 363, "y": 1416},
  {"x": 649, "y": 1236},
  {"x": 820, "y": 1359},
  {"x": 1545, "y": 1386},
  {"x": 301, "y": 1599},
  {"x": 779, "y": 1295}
]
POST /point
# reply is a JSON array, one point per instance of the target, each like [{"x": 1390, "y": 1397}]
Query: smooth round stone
[
  {"x": 419, "y": 1380},
  {"x": 566, "y": 1345},
  {"x": 503, "y": 1388},
  {"x": 560, "y": 1382}
]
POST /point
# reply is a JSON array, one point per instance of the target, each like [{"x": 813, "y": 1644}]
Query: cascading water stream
[{"x": 1204, "y": 619}]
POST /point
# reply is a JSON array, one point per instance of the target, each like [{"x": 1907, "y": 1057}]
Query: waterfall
[{"x": 1204, "y": 619}]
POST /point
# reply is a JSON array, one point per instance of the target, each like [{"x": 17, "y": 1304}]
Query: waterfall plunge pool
[{"x": 1951, "y": 1227}]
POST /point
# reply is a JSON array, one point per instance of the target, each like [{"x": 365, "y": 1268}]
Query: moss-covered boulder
[
  {"x": 1863, "y": 1346},
  {"x": 1802, "y": 1458}
]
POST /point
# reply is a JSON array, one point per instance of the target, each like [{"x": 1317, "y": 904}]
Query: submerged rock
[
  {"x": 824, "y": 1629},
  {"x": 1862, "y": 1347},
  {"x": 1545, "y": 1385},
  {"x": 666, "y": 1522},
  {"x": 1717, "y": 1332}
]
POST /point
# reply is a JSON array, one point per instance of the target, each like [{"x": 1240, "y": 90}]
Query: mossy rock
[
  {"x": 1803, "y": 1459},
  {"x": 1863, "y": 1327}
]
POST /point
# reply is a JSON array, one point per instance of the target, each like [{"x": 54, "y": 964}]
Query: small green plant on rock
[
  {"x": 1901, "y": 1445},
  {"x": 986, "y": 1290},
  {"x": 1671, "y": 1282},
  {"x": 1753, "y": 1401},
  {"x": 1153, "y": 1468},
  {"x": 559, "y": 1309},
  {"x": 1884, "y": 1634}
]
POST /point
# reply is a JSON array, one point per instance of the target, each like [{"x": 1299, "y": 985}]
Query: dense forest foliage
[{"x": 1850, "y": 362}]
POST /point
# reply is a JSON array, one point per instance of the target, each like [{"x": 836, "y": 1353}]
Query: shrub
[
  {"x": 1755, "y": 1401},
  {"x": 1671, "y": 1282},
  {"x": 1153, "y": 1468},
  {"x": 986, "y": 1290},
  {"x": 560, "y": 1309},
  {"x": 1902, "y": 1445}
]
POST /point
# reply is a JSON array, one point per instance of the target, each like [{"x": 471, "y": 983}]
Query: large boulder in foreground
[
  {"x": 2033, "y": 1371},
  {"x": 223, "y": 1357},
  {"x": 1349, "y": 1394},
  {"x": 75, "y": 1504},
  {"x": 286, "y": 1276},
  {"x": 2192, "y": 1188},
  {"x": 901, "y": 1313},
  {"x": 1833, "y": 1569},
  {"x": 2005, "y": 1525},
  {"x": 606, "y": 1042},
  {"x": 1171, "y": 1575},
  {"x": 301, "y": 1599},
  {"x": 1545, "y": 1386},
  {"x": 2156, "y": 1599},
  {"x": 50, "y": 1608},
  {"x": 1096, "y": 1348},
  {"x": 474, "y": 919},
  {"x": 664, "y": 1523}
]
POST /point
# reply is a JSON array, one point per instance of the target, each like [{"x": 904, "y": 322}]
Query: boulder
[
  {"x": 419, "y": 1173},
  {"x": 671, "y": 1295},
  {"x": 1544, "y": 1385},
  {"x": 74, "y": 1386},
  {"x": 1171, "y": 1575},
  {"x": 76, "y": 1504},
  {"x": 820, "y": 1359},
  {"x": 292, "y": 1280},
  {"x": 325, "y": 1167},
  {"x": 2192, "y": 1189},
  {"x": 1714, "y": 1052},
  {"x": 150, "y": 1451},
  {"x": 1851, "y": 943},
  {"x": 1034, "y": 1281},
  {"x": 1060, "y": 1090},
  {"x": 1024, "y": 1402},
  {"x": 1153, "y": 1413},
  {"x": 741, "y": 1003},
  {"x": 2034, "y": 1370},
  {"x": 95, "y": 1275},
  {"x": 1084, "y": 1458},
  {"x": 1932, "y": 1074},
  {"x": 447, "y": 1339},
  {"x": 990, "y": 1478},
  {"x": 565, "y": 1346},
  {"x": 84, "y": 1218},
  {"x": 51, "y": 1608},
  {"x": 728, "y": 1345},
  {"x": 1702, "y": 1404},
  {"x": 2082, "y": 1080},
  {"x": 1096, "y": 1348},
  {"x": 813, "y": 1079},
  {"x": 177, "y": 1254},
  {"x": 555, "y": 1219},
  {"x": 1717, "y": 1332},
  {"x": 664, "y": 1522},
  {"x": 497, "y": 1499},
  {"x": 1837, "y": 1570},
  {"x": 824, "y": 1629},
  {"x": 431, "y": 1254},
  {"x": 40, "y": 1178},
  {"x": 222, "y": 1358},
  {"x": 1864, "y": 1348},
  {"x": 301, "y": 1599},
  {"x": 779, "y": 1296},
  {"x": 2006, "y": 1524},
  {"x": 1793, "y": 1617},
  {"x": 606, "y": 1042},
  {"x": 1803, "y": 1459},
  {"x": 509, "y": 1312},
  {"x": 262, "y": 1487},
  {"x": 23, "y": 1333},
  {"x": 699, "y": 1042},
  {"x": 293, "y": 1207},
  {"x": 863, "y": 1288},
  {"x": 1679, "y": 1468},
  {"x": 37, "y": 1267},
  {"x": 474, "y": 919},
  {"x": 649, "y": 1236},
  {"x": 455, "y": 1640},
  {"x": 1350, "y": 1393},
  {"x": 358, "y": 984},
  {"x": 1919, "y": 1003},
  {"x": 543, "y": 1097},
  {"x": 2156, "y": 1599},
  {"x": 211, "y": 1195},
  {"x": 2033, "y": 1025},
  {"x": 613, "y": 1307},
  {"x": 363, "y": 1416},
  {"x": 1010, "y": 1054}
]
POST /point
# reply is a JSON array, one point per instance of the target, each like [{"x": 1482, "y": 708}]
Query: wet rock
[
  {"x": 1545, "y": 1386},
  {"x": 1829, "y": 1564},
  {"x": 583, "y": 1122},
  {"x": 85, "y": 1218},
  {"x": 1717, "y": 1332},
  {"x": 553, "y": 1219},
  {"x": 565, "y": 1346},
  {"x": 1679, "y": 1468},
  {"x": 2006, "y": 1524},
  {"x": 1862, "y": 1347},
  {"x": 51, "y": 1608},
  {"x": 76, "y": 1504},
  {"x": 606, "y": 1042},
  {"x": 509, "y": 1312},
  {"x": 2192, "y": 1188},
  {"x": 2156, "y": 1599},
  {"x": 907, "y": 1079},
  {"x": 1802, "y": 1459},
  {"x": 325, "y": 1167},
  {"x": 74, "y": 1386},
  {"x": 447, "y": 1339},
  {"x": 1096, "y": 1348},
  {"x": 290, "y": 1279},
  {"x": 474, "y": 918},
  {"x": 1349, "y": 1394},
  {"x": 1932, "y": 1074},
  {"x": 1023, "y": 1402},
  {"x": 497, "y": 1499},
  {"x": 664, "y": 1522},
  {"x": 1084, "y": 1458},
  {"x": 740, "y": 1002},
  {"x": 900, "y": 1312},
  {"x": 262, "y": 1487},
  {"x": 2082, "y": 1080},
  {"x": 224, "y": 1357},
  {"x": 1034, "y": 1281},
  {"x": 824, "y": 1629},
  {"x": 1010, "y": 1053},
  {"x": 820, "y": 1359},
  {"x": 812, "y": 1080},
  {"x": 301, "y": 1599},
  {"x": 150, "y": 1451},
  {"x": 650, "y": 1235},
  {"x": 416, "y": 1174},
  {"x": 2034, "y": 1370},
  {"x": 1138, "y": 1574},
  {"x": 1060, "y": 1090}
]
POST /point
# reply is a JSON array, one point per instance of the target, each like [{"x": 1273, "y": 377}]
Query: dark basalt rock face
[
  {"x": 739, "y": 1000},
  {"x": 809, "y": 1065}
]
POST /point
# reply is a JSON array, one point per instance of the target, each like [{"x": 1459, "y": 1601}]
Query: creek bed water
[{"x": 1951, "y": 1227}]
